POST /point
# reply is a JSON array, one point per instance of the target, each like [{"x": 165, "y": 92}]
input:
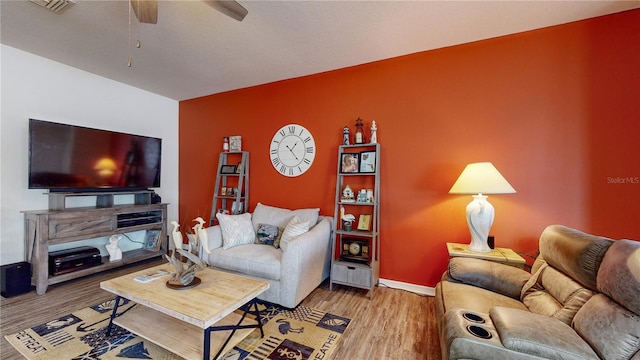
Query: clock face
[
  {"x": 292, "y": 150},
  {"x": 354, "y": 248}
]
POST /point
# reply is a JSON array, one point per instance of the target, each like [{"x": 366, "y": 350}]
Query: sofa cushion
[
  {"x": 264, "y": 214},
  {"x": 269, "y": 235},
  {"x": 253, "y": 259},
  {"x": 295, "y": 228},
  {"x": 574, "y": 253},
  {"x": 538, "y": 335},
  {"x": 611, "y": 330},
  {"x": 552, "y": 293},
  {"x": 617, "y": 308},
  {"x": 619, "y": 275},
  {"x": 236, "y": 230}
]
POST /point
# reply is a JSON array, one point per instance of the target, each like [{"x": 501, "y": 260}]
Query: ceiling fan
[{"x": 147, "y": 10}]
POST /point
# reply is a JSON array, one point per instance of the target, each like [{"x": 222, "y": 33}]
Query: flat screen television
[{"x": 69, "y": 158}]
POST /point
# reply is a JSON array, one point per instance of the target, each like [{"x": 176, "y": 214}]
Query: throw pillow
[
  {"x": 269, "y": 235},
  {"x": 236, "y": 230},
  {"x": 295, "y": 228},
  {"x": 264, "y": 214}
]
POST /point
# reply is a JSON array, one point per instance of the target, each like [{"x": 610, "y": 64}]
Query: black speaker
[
  {"x": 155, "y": 198},
  {"x": 16, "y": 279}
]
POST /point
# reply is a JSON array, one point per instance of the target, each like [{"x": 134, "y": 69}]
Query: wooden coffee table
[{"x": 188, "y": 322}]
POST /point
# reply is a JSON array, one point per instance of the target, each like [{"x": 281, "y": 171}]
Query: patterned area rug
[{"x": 301, "y": 333}]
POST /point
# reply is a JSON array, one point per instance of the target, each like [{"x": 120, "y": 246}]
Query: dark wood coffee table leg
[
  {"x": 247, "y": 310},
  {"x": 113, "y": 315}
]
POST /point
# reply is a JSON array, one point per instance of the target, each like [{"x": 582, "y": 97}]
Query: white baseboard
[{"x": 418, "y": 289}]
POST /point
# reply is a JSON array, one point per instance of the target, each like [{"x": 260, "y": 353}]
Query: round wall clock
[{"x": 292, "y": 150}]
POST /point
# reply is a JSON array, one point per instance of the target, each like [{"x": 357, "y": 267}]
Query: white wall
[{"x": 34, "y": 87}]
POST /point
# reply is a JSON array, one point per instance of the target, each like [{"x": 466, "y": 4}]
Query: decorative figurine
[
  {"x": 345, "y": 135},
  {"x": 347, "y": 194},
  {"x": 200, "y": 234},
  {"x": 347, "y": 219},
  {"x": 359, "y": 136},
  {"x": 225, "y": 144},
  {"x": 374, "y": 135},
  {"x": 184, "y": 276},
  {"x": 115, "y": 254},
  {"x": 362, "y": 196},
  {"x": 176, "y": 236}
]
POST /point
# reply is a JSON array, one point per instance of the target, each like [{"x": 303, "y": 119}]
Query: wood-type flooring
[{"x": 396, "y": 324}]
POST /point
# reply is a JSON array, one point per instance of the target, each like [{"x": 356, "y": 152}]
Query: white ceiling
[{"x": 194, "y": 50}]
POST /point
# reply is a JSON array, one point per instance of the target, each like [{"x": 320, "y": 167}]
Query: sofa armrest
[
  {"x": 503, "y": 279},
  {"x": 305, "y": 263},
  {"x": 538, "y": 335}
]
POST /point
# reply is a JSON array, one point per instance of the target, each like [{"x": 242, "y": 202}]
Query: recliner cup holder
[
  {"x": 473, "y": 318},
  {"x": 478, "y": 331}
]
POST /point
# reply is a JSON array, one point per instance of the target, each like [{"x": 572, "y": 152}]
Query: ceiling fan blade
[
  {"x": 230, "y": 8},
  {"x": 146, "y": 10}
]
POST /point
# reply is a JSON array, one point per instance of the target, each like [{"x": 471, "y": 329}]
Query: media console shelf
[
  {"x": 51, "y": 227},
  {"x": 58, "y": 200}
]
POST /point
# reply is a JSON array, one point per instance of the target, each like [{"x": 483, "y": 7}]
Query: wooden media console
[{"x": 66, "y": 225}]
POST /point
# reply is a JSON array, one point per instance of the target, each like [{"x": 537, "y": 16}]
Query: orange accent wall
[{"x": 557, "y": 110}]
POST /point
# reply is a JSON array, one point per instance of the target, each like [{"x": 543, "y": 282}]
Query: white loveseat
[{"x": 293, "y": 269}]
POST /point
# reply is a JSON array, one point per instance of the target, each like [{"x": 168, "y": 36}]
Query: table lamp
[
  {"x": 480, "y": 178},
  {"x": 105, "y": 167}
]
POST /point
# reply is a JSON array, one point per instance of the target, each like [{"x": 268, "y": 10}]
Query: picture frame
[
  {"x": 228, "y": 169},
  {"x": 237, "y": 207},
  {"x": 235, "y": 143},
  {"x": 367, "y": 162},
  {"x": 364, "y": 222},
  {"x": 152, "y": 240},
  {"x": 349, "y": 162},
  {"x": 223, "y": 191}
]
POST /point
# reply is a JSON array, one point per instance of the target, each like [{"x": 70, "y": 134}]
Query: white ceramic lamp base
[{"x": 480, "y": 214}]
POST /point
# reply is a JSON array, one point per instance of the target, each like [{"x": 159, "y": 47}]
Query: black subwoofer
[{"x": 16, "y": 279}]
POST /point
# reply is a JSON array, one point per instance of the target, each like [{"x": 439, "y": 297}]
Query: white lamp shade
[{"x": 481, "y": 178}]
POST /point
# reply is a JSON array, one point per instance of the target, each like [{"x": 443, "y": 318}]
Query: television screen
[{"x": 74, "y": 158}]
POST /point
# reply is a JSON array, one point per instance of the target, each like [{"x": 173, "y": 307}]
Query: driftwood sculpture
[{"x": 184, "y": 273}]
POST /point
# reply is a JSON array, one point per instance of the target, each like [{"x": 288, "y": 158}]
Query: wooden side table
[{"x": 501, "y": 255}]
